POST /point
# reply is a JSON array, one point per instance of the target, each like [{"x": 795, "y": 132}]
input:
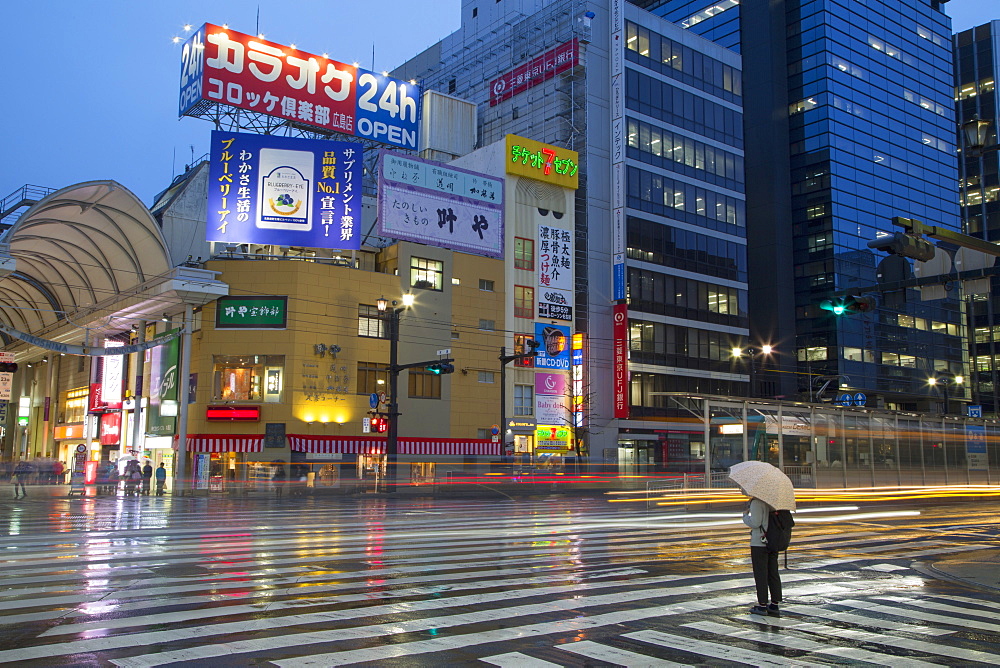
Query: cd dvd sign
[{"x": 284, "y": 191}]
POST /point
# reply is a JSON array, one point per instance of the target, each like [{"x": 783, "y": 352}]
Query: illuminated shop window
[{"x": 248, "y": 378}]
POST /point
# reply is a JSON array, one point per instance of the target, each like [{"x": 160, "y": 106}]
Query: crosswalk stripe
[
  {"x": 518, "y": 660},
  {"x": 614, "y": 655},
  {"x": 920, "y": 614},
  {"x": 264, "y": 624},
  {"x": 948, "y": 650},
  {"x": 862, "y": 620},
  {"x": 574, "y": 623},
  {"x": 715, "y": 650},
  {"x": 795, "y": 642},
  {"x": 339, "y": 599},
  {"x": 943, "y": 607}
]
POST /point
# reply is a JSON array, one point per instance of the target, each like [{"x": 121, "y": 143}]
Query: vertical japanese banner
[
  {"x": 284, "y": 191},
  {"x": 621, "y": 377},
  {"x": 618, "y": 233},
  {"x": 555, "y": 273},
  {"x": 161, "y": 418}
]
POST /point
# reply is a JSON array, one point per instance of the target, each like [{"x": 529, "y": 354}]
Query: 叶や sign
[
  {"x": 284, "y": 191},
  {"x": 228, "y": 67},
  {"x": 440, "y": 205}
]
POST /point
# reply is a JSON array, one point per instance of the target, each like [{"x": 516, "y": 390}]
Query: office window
[
  {"x": 485, "y": 285},
  {"x": 524, "y": 302},
  {"x": 487, "y": 377},
  {"x": 524, "y": 254},
  {"x": 487, "y": 325},
  {"x": 426, "y": 274},
  {"x": 524, "y": 400},
  {"x": 248, "y": 377},
  {"x": 371, "y": 322},
  {"x": 424, "y": 384},
  {"x": 372, "y": 377}
]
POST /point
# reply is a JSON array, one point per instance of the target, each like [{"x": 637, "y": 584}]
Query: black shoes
[{"x": 770, "y": 609}]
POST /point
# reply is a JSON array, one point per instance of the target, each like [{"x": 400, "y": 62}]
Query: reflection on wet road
[{"x": 562, "y": 581}]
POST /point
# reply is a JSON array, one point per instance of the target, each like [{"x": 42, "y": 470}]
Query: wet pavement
[{"x": 542, "y": 581}]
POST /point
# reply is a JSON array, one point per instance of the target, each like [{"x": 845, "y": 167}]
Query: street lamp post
[
  {"x": 751, "y": 354},
  {"x": 392, "y": 435},
  {"x": 945, "y": 381}
]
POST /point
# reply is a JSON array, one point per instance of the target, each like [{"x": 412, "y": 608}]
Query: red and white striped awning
[
  {"x": 225, "y": 443},
  {"x": 406, "y": 446}
]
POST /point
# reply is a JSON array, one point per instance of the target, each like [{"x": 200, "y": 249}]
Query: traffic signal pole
[{"x": 506, "y": 359}]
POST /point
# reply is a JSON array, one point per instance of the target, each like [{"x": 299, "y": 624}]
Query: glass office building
[
  {"x": 849, "y": 122},
  {"x": 977, "y": 59}
]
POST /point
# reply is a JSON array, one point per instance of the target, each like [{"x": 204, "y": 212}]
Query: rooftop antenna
[{"x": 256, "y": 29}]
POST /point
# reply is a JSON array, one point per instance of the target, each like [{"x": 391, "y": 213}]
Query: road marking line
[
  {"x": 518, "y": 660},
  {"x": 804, "y": 644},
  {"x": 715, "y": 650},
  {"x": 947, "y": 650},
  {"x": 943, "y": 607},
  {"x": 920, "y": 614},
  {"x": 862, "y": 620},
  {"x": 613, "y": 655}
]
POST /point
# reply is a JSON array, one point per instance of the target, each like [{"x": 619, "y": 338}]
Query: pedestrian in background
[
  {"x": 279, "y": 479},
  {"x": 58, "y": 472},
  {"x": 22, "y": 472},
  {"x": 763, "y": 561},
  {"x": 161, "y": 479},
  {"x": 147, "y": 475}
]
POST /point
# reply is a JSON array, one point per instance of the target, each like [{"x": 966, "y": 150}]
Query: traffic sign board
[
  {"x": 495, "y": 429},
  {"x": 845, "y": 400},
  {"x": 976, "y": 411},
  {"x": 860, "y": 399},
  {"x": 373, "y": 400}
]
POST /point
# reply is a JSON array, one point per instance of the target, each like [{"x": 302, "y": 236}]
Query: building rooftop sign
[
  {"x": 220, "y": 65},
  {"x": 544, "y": 162},
  {"x": 564, "y": 57},
  {"x": 440, "y": 205}
]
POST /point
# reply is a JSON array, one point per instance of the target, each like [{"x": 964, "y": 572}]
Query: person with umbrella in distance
[{"x": 769, "y": 490}]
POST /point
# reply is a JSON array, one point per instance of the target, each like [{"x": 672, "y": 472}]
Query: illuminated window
[
  {"x": 524, "y": 302},
  {"x": 371, "y": 322},
  {"x": 73, "y": 405},
  {"x": 248, "y": 377},
  {"x": 426, "y": 274},
  {"x": 521, "y": 347}
]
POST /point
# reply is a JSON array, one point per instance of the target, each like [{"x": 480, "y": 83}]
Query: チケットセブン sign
[
  {"x": 543, "y": 162},
  {"x": 251, "y": 313}
]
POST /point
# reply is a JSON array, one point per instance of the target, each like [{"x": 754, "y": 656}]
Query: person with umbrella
[{"x": 769, "y": 489}]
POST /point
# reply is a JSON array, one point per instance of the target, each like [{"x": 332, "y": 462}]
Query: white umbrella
[{"x": 765, "y": 482}]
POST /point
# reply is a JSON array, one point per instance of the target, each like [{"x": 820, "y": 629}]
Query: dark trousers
[{"x": 765, "y": 574}]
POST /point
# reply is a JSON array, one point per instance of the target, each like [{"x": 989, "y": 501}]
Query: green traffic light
[{"x": 838, "y": 309}]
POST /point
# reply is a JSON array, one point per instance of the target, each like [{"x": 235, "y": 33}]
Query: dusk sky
[{"x": 95, "y": 93}]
